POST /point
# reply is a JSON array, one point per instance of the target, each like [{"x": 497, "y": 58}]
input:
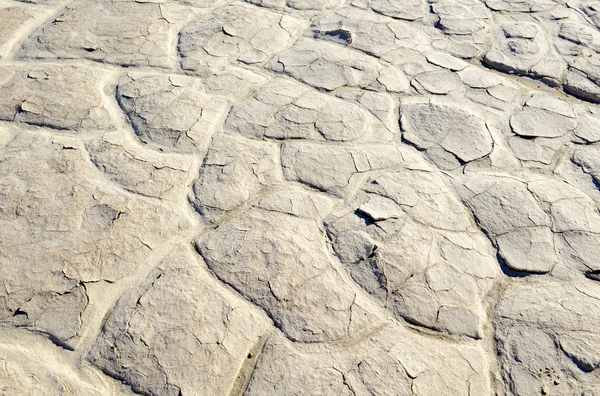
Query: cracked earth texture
[{"x": 300, "y": 197}]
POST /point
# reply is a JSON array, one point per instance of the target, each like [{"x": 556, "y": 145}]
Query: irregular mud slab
[
  {"x": 381, "y": 105},
  {"x": 589, "y": 126},
  {"x": 280, "y": 262},
  {"x": 544, "y": 116},
  {"x": 334, "y": 169},
  {"x": 294, "y": 200},
  {"x": 233, "y": 83},
  {"x": 234, "y": 33},
  {"x": 450, "y": 133},
  {"x": 297, "y": 4},
  {"x": 446, "y": 61},
  {"x": 408, "y": 241},
  {"x": 543, "y": 128},
  {"x": 234, "y": 170},
  {"x": 137, "y": 170},
  {"x": 390, "y": 359},
  {"x": 521, "y": 46},
  {"x": 575, "y": 222},
  {"x": 520, "y": 5},
  {"x": 583, "y": 79},
  {"x": 198, "y": 347},
  {"x": 285, "y": 110},
  {"x": 121, "y": 32},
  {"x": 170, "y": 113},
  {"x": 489, "y": 89},
  {"x": 64, "y": 226},
  {"x": 410, "y": 10},
  {"x": 373, "y": 34},
  {"x": 547, "y": 338},
  {"x": 535, "y": 151},
  {"x": 438, "y": 82},
  {"x": 571, "y": 60},
  {"x": 467, "y": 25},
  {"x": 507, "y": 211},
  {"x": 328, "y": 66},
  {"x": 59, "y": 97},
  {"x": 588, "y": 158},
  {"x": 535, "y": 224}
]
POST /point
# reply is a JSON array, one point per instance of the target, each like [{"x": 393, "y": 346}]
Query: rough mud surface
[{"x": 300, "y": 197}]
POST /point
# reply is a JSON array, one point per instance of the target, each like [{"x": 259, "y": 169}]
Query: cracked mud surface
[{"x": 300, "y": 197}]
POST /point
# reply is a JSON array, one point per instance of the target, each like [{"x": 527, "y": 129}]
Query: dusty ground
[{"x": 300, "y": 197}]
